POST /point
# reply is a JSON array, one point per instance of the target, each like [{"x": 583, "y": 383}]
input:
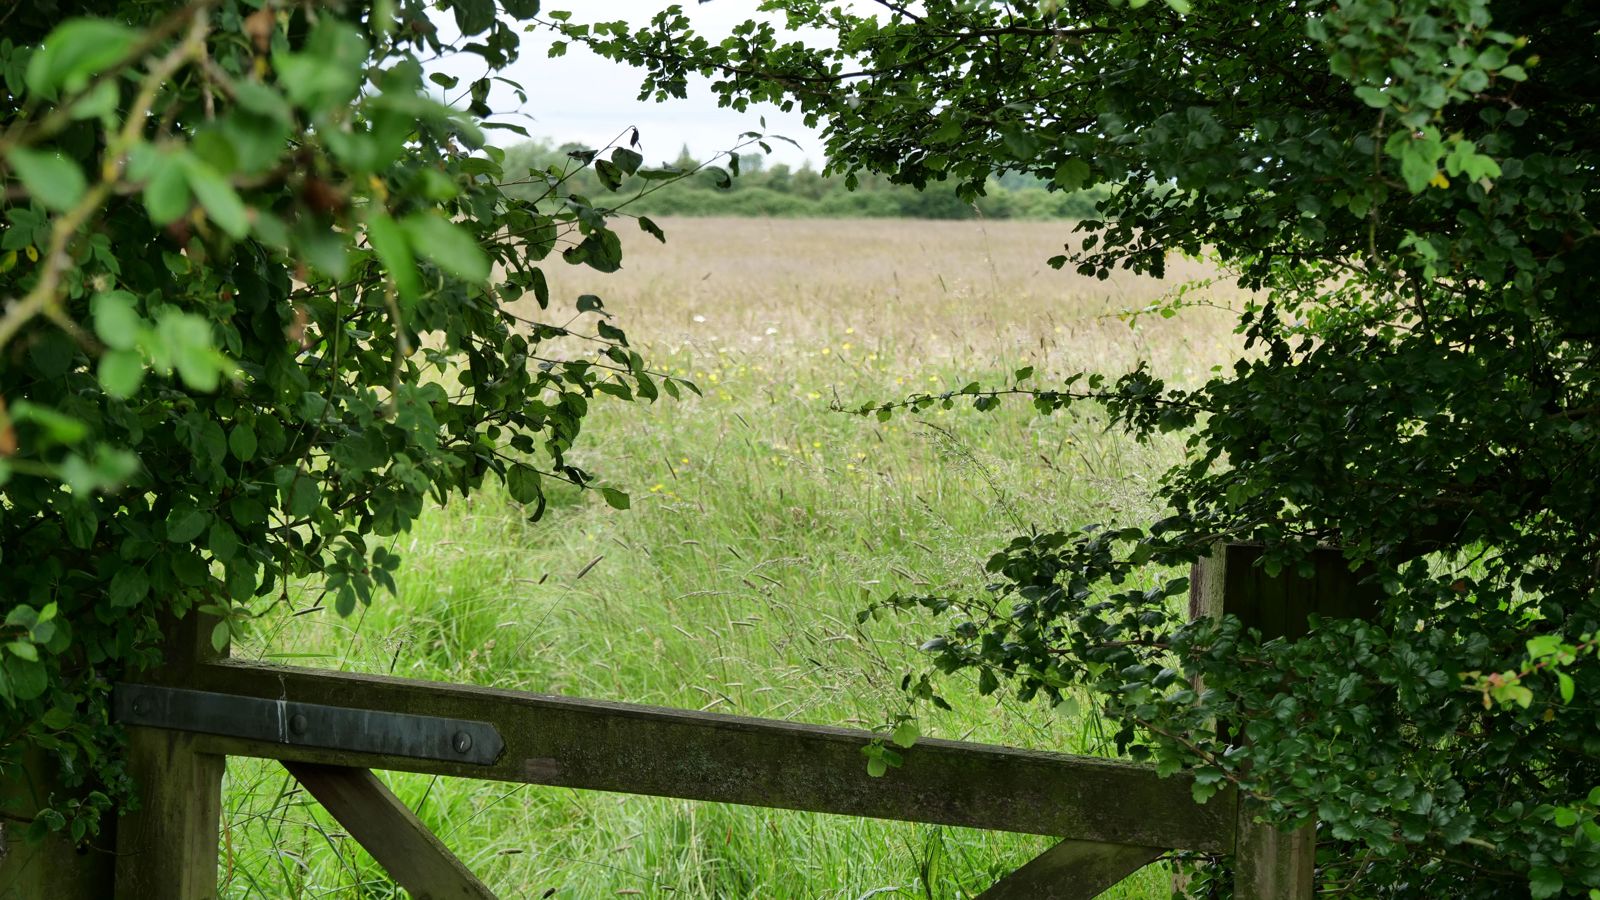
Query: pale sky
[{"x": 584, "y": 98}]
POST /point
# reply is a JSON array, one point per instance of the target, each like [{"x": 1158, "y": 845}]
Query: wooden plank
[
  {"x": 1072, "y": 870},
  {"x": 412, "y": 855},
  {"x": 634, "y": 749},
  {"x": 1271, "y": 863},
  {"x": 167, "y": 848},
  {"x": 1230, "y": 581}
]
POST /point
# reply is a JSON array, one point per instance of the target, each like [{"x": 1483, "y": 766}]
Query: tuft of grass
[{"x": 761, "y": 523}]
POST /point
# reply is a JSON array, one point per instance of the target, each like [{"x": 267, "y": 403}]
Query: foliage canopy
[
  {"x": 256, "y": 287},
  {"x": 1411, "y": 187}
]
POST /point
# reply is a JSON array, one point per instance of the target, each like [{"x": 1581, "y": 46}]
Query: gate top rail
[{"x": 636, "y": 749}]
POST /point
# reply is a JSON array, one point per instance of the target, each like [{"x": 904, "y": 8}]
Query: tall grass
[{"x": 761, "y": 523}]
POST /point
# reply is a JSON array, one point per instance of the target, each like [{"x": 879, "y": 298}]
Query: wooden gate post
[
  {"x": 167, "y": 849},
  {"x": 1270, "y": 863},
  {"x": 53, "y": 867}
]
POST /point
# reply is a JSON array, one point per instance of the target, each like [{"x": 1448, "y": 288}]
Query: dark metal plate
[{"x": 308, "y": 724}]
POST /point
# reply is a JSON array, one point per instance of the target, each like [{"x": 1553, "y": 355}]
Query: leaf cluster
[
  {"x": 262, "y": 298},
  {"x": 1410, "y": 187}
]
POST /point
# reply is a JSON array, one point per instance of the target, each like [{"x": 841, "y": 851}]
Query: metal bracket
[{"x": 307, "y": 724}]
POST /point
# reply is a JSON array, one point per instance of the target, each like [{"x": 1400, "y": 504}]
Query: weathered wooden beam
[
  {"x": 1072, "y": 870},
  {"x": 167, "y": 848},
  {"x": 599, "y": 745},
  {"x": 412, "y": 855},
  {"x": 1271, "y": 863}
]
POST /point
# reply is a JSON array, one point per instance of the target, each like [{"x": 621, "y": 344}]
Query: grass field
[{"x": 761, "y": 523}]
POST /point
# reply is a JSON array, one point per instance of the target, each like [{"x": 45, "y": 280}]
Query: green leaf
[
  {"x": 129, "y": 586},
  {"x": 98, "y": 103},
  {"x": 1373, "y": 97},
  {"x": 648, "y": 226},
  {"x": 263, "y": 101},
  {"x": 1543, "y": 645},
  {"x": 449, "y": 245},
  {"x": 28, "y": 679},
  {"x": 1544, "y": 881},
  {"x": 116, "y": 319},
  {"x": 906, "y": 733},
  {"x": 222, "y": 542},
  {"x": 50, "y": 178},
  {"x": 304, "y": 496},
  {"x": 1566, "y": 685},
  {"x": 57, "y": 719},
  {"x": 609, "y": 174},
  {"x": 184, "y": 341},
  {"x": 166, "y": 190},
  {"x": 522, "y": 483},
  {"x": 328, "y": 74},
  {"x": 1072, "y": 174},
  {"x": 44, "y": 632},
  {"x": 24, "y": 649},
  {"x": 242, "y": 441},
  {"x": 473, "y": 16},
  {"x": 323, "y": 249},
  {"x": 22, "y": 614},
  {"x": 987, "y": 682},
  {"x": 876, "y": 767},
  {"x": 614, "y": 498},
  {"x": 79, "y": 518},
  {"x": 185, "y": 523},
  {"x": 220, "y": 201},
  {"x": 389, "y": 242},
  {"x": 1020, "y": 141},
  {"x": 76, "y": 51},
  {"x": 121, "y": 372},
  {"x": 60, "y": 428},
  {"x": 627, "y": 160}
]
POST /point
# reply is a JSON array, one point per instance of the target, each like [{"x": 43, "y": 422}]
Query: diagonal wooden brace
[
  {"x": 1072, "y": 870},
  {"x": 412, "y": 855}
]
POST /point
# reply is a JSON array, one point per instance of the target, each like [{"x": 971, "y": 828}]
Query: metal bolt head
[
  {"x": 298, "y": 723},
  {"x": 462, "y": 742}
]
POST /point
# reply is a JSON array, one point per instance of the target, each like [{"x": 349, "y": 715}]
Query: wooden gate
[{"x": 331, "y": 729}]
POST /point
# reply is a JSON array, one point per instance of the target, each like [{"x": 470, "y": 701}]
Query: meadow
[{"x": 761, "y": 522}]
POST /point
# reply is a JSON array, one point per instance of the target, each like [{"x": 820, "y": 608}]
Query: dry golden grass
[{"x": 943, "y": 290}]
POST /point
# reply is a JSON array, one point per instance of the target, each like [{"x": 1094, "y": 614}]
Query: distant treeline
[{"x": 781, "y": 191}]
